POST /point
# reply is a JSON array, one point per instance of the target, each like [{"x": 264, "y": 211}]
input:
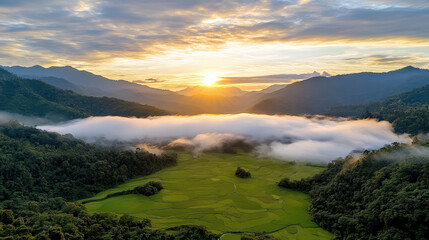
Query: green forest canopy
[
  {"x": 384, "y": 195},
  {"x": 41, "y": 171}
]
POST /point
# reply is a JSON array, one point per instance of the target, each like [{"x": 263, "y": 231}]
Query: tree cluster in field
[
  {"x": 36, "y": 98},
  {"x": 241, "y": 173},
  {"x": 375, "y": 197},
  {"x": 408, "y": 112},
  {"x": 54, "y": 219},
  {"x": 147, "y": 189}
]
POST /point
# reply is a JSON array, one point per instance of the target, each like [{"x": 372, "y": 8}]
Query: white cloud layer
[{"x": 284, "y": 137}]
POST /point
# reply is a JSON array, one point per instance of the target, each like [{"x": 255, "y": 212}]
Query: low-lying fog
[{"x": 284, "y": 137}]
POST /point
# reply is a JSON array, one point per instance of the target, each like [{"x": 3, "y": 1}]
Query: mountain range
[
  {"x": 315, "y": 95},
  {"x": 36, "y": 98},
  {"x": 408, "y": 112},
  {"x": 89, "y": 84}
]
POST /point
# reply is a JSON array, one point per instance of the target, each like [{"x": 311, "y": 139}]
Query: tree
[{"x": 241, "y": 173}]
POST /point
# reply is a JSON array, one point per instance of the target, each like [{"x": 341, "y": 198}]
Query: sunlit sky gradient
[{"x": 174, "y": 43}]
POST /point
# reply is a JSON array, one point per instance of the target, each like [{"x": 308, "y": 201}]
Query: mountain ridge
[
  {"x": 36, "y": 98},
  {"x": 408, "y": 112},
  {"x": 315, "y": 95},
  {"x": 318, "y": 94}
]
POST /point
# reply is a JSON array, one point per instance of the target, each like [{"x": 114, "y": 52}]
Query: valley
[
  {"x": 145, "y": 171},
  {"x": 203, "y": 190},
  {"x": 214, "y": 120}
]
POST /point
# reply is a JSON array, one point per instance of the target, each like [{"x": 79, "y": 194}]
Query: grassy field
[{"x": 205, "y": 191}]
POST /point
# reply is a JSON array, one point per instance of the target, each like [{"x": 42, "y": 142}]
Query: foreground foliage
[
  {"x": 38, "y": 169},
  {"x": 57, "y": 220},
  {"x": 383, "y": 195}
]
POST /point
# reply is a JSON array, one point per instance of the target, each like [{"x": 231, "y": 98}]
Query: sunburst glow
[{"x": 210, "y": 79}]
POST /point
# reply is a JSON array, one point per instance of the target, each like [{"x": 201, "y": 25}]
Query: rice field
[{"x": 203, "y": 190}]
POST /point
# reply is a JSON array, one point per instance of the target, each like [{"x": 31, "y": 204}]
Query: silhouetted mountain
[
  {"x": 94, "y": 85},
  {"x": 82, "y": 78},
  {"x": 86, "y": 83},
  {"x": 273, "y": 88},
  {"x": 212, "y": 91},
  {"x": 317, "y": 95},
  {"x": 312, "y": 96},
  {"x": 36, "y": 98}
]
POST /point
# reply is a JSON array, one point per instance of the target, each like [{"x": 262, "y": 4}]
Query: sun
[{"x": 210, "y": 79}]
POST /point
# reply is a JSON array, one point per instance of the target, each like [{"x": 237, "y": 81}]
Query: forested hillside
[
  {"x": 41, "y": 171},
  {"x": 36, "y": 98},
  {"x": 383, "y": 195},
  {"x": 317, "y": 95},
  {"x": 39, "y": 164},
  {"x": 408, "y": 112}
]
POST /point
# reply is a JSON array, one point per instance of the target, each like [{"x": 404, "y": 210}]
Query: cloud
[
  {"x": 211, "y": 142},
  {"x": 385, "y": 60},
  {"x": 149, "y": 80},
  {"x": 407, "y": 153},
  {"x": 284, "y": 137},
  {"x": 281, "y": 78},
  {"x": 26, "y": 120},
  {"x": 391, "y": 3},
  {"x": 89, "y": 30},
  {"x": 150, "y": 148}
]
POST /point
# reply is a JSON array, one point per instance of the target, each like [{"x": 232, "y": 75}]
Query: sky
[{"x": 175, "y": 43}]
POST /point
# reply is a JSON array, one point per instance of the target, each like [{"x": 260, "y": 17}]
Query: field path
[{"x": 225, "y": 234}]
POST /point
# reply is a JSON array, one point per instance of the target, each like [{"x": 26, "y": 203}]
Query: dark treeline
[
  {"x": 382, "y": 195},
  {"x": 148, "y": 189}
]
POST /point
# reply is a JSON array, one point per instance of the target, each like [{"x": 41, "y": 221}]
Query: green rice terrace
[{"x": 205, "y": 191}]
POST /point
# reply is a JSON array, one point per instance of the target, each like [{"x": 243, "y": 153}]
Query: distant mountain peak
[
  {"x": 37, "y": 67},
  {"x": 67, "y": 68},
  {"x": 408, "y": 69},
  {"x": 325, "y": 74}
]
